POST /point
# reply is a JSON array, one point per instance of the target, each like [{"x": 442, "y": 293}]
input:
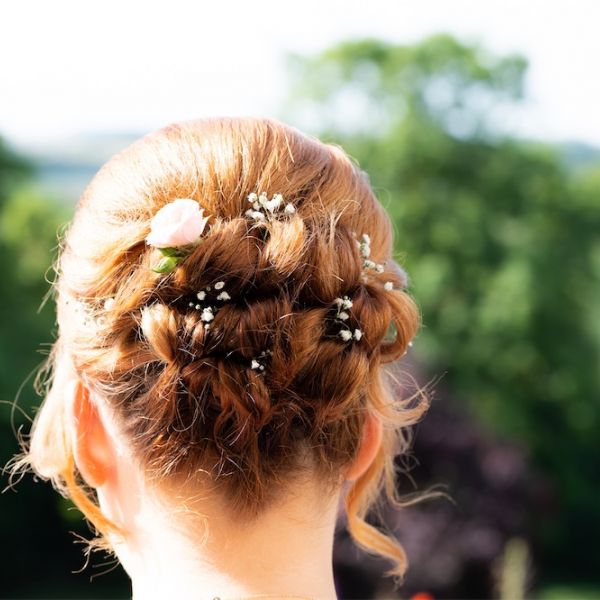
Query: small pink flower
[{"x": 178, "y": 223}]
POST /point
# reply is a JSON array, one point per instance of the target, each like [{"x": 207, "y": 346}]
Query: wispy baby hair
[{"x": 256, "y": 351}]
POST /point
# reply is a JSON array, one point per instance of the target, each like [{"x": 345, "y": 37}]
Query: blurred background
[{"x": 478, "y": 124}]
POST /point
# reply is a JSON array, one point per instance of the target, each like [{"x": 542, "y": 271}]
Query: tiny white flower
[
  {"x": 206, "y": 326},
  {"x": 343, "y": 315},
  {"x": 219, "y": 285},
  {"x": 109, "y": 303},
  {"x": 347, "y": 303},
  {"x": 274, "y": 203},
  {"x": 253, "y": 197},
  {"x": 379, "y": 268},
  {"x": 357, "y": 334},
  {"x": 223, "y": 296},
  {"x": 207, "y": 314},
  {"x": 198, "y": 307},
  {"x": 365, "y": 245},
  {"x": 345, "y": 334},
  {"x": 190, "y": 304},
  {"x": 410, "y": 343},
  {"x": 289, "y": 209},
  {"x": 256, "y": 215},
  {"x": 201, "y": 295},
  {"x": 263, "y": 199},
  {"x": 254, "y": 364},
  {"x": 388, "y": 285}
]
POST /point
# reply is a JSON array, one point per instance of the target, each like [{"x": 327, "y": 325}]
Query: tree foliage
[{"x": 500, "y": 238}]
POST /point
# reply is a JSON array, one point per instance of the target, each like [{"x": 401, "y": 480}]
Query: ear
[
  {"x": 369, "y": 446},
  {"x": 93, "y": 450}
]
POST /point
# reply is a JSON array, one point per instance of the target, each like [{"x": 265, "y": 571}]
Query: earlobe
[
  {"x": 370, "y": 444},
  {"x": 92, "y": 448}
]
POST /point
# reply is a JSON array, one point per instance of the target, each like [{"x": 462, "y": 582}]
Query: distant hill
[
  {"x": 64, "y": 169},
  {"x": 579, "y": 155}
]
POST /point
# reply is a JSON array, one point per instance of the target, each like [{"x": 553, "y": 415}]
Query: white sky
[{"x": 70, "y": 67}]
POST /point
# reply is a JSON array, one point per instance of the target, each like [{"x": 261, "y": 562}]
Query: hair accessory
[
  {"x": 365, "y": 251},
  {"x": 264, "y": 209},
  {"x": 175, "y": 230},
  {"x": 109, "y": 304},
  {"x": 258, "y": 362},
  {"x": 342, "y": 316},
  {"x": 364, "y": 246},
  {"x": 209, "y": 310}
]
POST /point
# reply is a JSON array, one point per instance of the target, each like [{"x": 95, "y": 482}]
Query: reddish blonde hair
[{"x": 186, "y": 399}]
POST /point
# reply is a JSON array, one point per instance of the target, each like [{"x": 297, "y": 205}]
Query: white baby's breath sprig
[
  {"x": 258, "y": 363},
  {"x": 207, "y": 314},
  {"x": 345, "y": 334},
  {"x": 364, "y": 246},
  {"x": 90, "y": 317},
  {"x": 208, "y": 311},
  {"x": 264, "y": 209},
  {"x": 343, "y": 304}
]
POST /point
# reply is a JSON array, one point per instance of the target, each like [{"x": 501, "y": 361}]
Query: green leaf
[
  {"x": 166, "y": 265},
  {"x": 171, "y": 252}
]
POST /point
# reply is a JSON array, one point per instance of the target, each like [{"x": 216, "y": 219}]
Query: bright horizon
[{"x": 116, "y": 67}]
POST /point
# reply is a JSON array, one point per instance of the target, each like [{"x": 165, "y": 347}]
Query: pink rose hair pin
[{"x": 174, "y": 230}]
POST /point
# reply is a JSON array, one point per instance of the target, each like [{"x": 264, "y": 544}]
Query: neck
[{"x": 287, "y": 552}]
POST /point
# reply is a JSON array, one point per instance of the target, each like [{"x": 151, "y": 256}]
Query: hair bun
[{"x": 306, "y": 290}]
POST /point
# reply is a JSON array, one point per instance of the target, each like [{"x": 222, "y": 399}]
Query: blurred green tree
[
  {"x": 34, "y": 520},
  {"x": 501, "y": 239}
]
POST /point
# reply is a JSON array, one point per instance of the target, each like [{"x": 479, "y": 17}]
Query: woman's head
[{"x": 270, "y": 392}]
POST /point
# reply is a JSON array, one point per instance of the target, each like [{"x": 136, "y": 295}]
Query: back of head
[{"x": 234, "y": 363}]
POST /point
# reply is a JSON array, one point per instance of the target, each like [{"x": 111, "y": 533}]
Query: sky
[{"x": 69, "y": 68}]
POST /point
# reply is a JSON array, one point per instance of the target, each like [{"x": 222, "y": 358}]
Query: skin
[{"x": 287, "y": 552}]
